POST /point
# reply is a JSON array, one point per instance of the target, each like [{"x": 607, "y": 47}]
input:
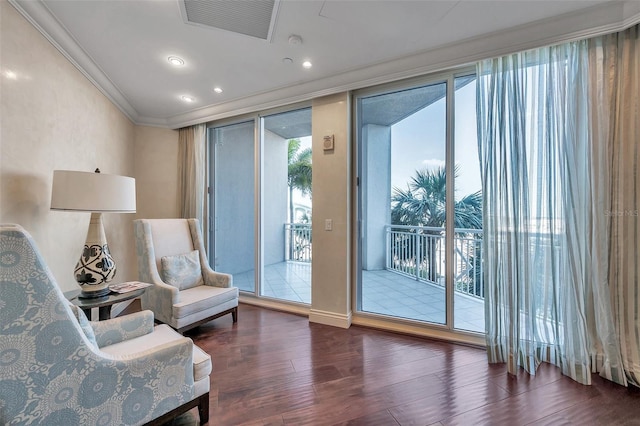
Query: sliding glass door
[
  {"x": 260, "y": 211},
  {"x": 232, "y": 207},
  {"x": 286, "y": 190},
  {"x": 403, "y": 194},
  {"x": 420, "y": 209}
]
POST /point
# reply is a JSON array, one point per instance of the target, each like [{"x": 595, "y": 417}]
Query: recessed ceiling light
[
  {"x": 217, "y": 89},
  {"x": 188, "y": 99},
  {"x": 307, "y": 64},
  {"x": 287, "y": 61},
  {"x": 175, "y": 61}
]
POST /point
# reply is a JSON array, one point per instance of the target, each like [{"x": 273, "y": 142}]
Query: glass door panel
[
  {"x": 402, "y": 141},
  {"x": 233, "y": 205},
  {"x": 468, "y": 312},
  {"x": 286, "y": 195}
]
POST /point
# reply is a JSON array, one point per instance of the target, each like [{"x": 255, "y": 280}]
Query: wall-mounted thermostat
[{"x": 327, "y": 143}]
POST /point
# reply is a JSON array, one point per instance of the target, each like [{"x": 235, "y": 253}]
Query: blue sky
[{"x": 418, "y": 142}]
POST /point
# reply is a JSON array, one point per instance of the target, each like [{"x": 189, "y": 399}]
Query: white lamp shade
[{"x": 93, "y": 192}]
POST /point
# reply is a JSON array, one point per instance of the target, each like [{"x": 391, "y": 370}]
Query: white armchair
[
  {"x": 186, "y": 291},
  {"x": 58, "y": 368}
]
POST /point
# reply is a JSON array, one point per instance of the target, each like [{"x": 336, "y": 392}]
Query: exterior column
[{"x": 376, "y": 180}]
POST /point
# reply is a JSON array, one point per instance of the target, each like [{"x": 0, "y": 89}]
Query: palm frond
[
  {"x": 292, "y": 149},
  {"x": 423, "y": 203}
]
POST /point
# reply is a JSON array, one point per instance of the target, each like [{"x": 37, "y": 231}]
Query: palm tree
[
  {"x": 423, "y": 203},
  {"x": 299, "y": 175}
]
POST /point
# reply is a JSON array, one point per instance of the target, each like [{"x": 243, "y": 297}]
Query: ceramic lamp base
[
  {"x": 91, "y": 293},
  {"x": 96, "y": 268}
]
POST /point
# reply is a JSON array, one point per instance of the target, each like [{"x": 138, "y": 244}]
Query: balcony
[{"x": 412, "y": 284}]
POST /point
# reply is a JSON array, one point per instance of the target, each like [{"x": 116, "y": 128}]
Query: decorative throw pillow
[{"x": 183, "y": 270}]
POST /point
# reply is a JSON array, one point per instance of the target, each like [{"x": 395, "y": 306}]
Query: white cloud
[{"x": 433, "y": 163}]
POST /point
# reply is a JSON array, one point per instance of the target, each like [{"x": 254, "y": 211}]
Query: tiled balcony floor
[
  {"x": 384, "y": 293},
  {"x": 286, "y": 280},
  {"x": 388, "y": 293}
]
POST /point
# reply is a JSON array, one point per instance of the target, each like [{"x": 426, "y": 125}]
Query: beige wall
[
  {"x": 156, "y": 166},
  {"x": 52, "y": 117},
  {"x": 330, "y": 289}
]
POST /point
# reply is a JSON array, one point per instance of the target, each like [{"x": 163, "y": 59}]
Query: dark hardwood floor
[{"x": 274, "y": 368}]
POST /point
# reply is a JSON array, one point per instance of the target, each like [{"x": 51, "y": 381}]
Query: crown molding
[
  {"x": 39, "y": 15},
  {"x": 155, "y": 122},
  {"x": 632, "y": 13},
  {"x": 590, "y": 22}
]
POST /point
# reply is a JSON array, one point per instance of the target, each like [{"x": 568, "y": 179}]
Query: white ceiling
[{"x": 123, "y": 47}]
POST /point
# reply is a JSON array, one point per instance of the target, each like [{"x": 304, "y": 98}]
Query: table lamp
[{"x": 96, "y": 193}]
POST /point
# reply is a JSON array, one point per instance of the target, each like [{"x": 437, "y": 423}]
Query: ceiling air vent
[{"x": 254, "y": 18}]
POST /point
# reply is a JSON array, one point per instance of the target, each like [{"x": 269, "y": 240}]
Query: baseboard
[
  {"x": 276, "y": 305},
  {"x": 315, "y": 315},
  {"x": 330, "y": 318},
  {"x": 438, "y": 333}
]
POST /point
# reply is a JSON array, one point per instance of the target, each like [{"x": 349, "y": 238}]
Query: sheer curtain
[
  {"x": 615, "y": 87},
  {"x": 192, "y": 172},
  {"x": 549, "y": 186}
]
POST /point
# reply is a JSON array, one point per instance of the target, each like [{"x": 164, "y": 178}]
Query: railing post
[
  {"x": 388, "y": 251},
  {"x": 287, "y": 243},
  {"x": 418, "y": 247},
  {"x": 481, "y": 262}
]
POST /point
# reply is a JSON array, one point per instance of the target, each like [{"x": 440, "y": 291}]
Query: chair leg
[
  {"x": 234, "y": 314},
  {"x": 203, "y": 409}
]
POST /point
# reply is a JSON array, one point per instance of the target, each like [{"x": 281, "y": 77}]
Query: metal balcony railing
[
  {"x": 298, "y": 242},
  {"x": 418, "y": 252},
  {"x": 414, "y": 251}
]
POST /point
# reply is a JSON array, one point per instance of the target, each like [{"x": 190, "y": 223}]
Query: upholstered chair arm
[
  {"x": 165, "y": 359},
  {"x": 124, "y": 328},
  {"x": 160, "y": 298},
  {"x": 216, "y": 279}
]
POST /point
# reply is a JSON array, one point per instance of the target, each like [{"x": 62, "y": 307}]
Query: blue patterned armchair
[
  {"x": 186, "y": 292},
  {"x": 58, "y": 368}
]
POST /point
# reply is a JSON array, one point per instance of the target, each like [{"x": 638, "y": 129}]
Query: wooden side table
[{"x": 103, "y": 303}]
